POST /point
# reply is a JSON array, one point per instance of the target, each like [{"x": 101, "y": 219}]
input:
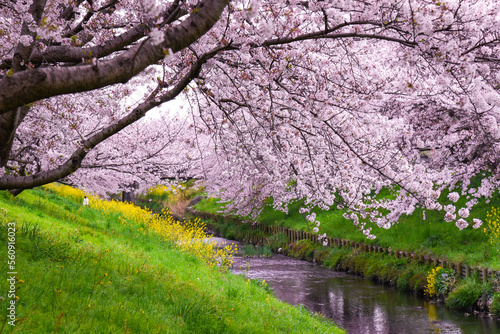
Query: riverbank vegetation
[
  {"x": 424, "y": 233},
  {"x": 173, "y": 198},
  {"x": 112, "y": 267},
  {"x": 432, "y": 237},
  {"x": 429, "y": 236},
  {"x": 440, "y": 285}
]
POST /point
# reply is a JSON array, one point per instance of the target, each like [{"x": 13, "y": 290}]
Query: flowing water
[{"x": 356, "y": 304}]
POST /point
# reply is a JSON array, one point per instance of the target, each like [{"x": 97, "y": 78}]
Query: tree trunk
[{"x": 8, "y": 125}]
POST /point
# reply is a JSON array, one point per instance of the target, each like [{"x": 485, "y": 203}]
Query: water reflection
[{"x": 358, "y": 305}]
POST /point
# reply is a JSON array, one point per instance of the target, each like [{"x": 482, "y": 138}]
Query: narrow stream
[{"x": 356, "y": 304}]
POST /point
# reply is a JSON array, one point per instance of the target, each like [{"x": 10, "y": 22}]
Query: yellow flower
[
  {"x": 189, "y": 237},
  {"x": 430, "y": 288}
]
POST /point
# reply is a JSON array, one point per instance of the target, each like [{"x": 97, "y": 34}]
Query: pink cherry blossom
[
  {"x": 325, "y": 102},
  {"x": 453, "y": 196},
  {"x": 477, "y": 223},
  {"x": 461, "y": 224},
  {"x": 463, "y": 212}
]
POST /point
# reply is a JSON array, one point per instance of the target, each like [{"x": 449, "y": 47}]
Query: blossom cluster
[{"x": 329, "y": 102}]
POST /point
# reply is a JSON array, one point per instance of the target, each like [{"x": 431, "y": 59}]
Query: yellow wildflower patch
[
  {"x": 189, "y": 236},
  {"x": 430, "y": 288},
  {"x": 493, "y": 227}
]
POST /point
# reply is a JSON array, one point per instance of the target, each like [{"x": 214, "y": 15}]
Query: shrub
[
  {"x": 440, "y": 281},
  {"x": 301, "y": 248},
  {"x": 417, "y": 282},
  {"x": 277, "y": 240},
  {"x": 466, "y": 294},
  {"x": 334, "y": 257},
  {"x": 495, "y": 305}
]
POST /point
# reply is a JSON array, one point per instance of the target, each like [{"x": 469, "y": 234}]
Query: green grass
[
  {"x": 432, "y": 236},
  {"x": 154, "y": 203},
  {"x": 160, "y": 198},
  {"x": 80, "y": 270},
  {"x": 210, "y": 204},
  {"x": 257, "y": 251},
  {"x": 465, "y": 295}
]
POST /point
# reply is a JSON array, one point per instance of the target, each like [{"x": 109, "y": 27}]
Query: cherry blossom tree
[
  {"x": 327, "y": 101},
  {"x": 50, "y": 48},
  {"x": 336, "y": 117}
]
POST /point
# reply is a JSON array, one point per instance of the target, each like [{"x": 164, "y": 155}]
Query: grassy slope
[
  {"x": 431, "y": 236},
  {"x": 81, "y": 270}
]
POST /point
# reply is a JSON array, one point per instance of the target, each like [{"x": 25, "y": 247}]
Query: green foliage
[
  {"x": 495, "y": 305},
  {"x": 276, "y": 241},
  {"x": 417, "y": 281},
  {"x": 466, "y": 294},
  {"x": 402, "y": 273},
  {"x": 335, "y": 256},
  {"x": 432, "y": 236},
  {"x": 303, "y": 249},
  {"x": 260, "y": 284},
  {"x": 440, "y": 281},
  {"x": 212, "y": 205},
  {"x": 261, "y": 251},
  {"x": 231, "y": 231},
  {"x": 42, "y": 245}
]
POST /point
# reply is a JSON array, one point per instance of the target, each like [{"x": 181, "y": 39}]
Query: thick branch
[
  {"x": 10, "y": 120},
  {"x": 30, "y": 86},
  {"x": 320, "y": 35},
  {"x": 74, "y": 162},
  {"x": 8, "y": 125},
  {"x": 74, "y": 54}
]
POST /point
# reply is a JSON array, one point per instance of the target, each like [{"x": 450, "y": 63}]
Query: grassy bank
[
  {"x": 112, "y": 268},
  {"x": 399, "y": 272},
  {"x": 432, "y": 236},
  {"x": 442, "y": 285}
]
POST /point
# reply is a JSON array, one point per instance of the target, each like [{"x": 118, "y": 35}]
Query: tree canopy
[{"x": 327, "y": 101}]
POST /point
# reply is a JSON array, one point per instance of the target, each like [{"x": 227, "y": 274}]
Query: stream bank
[
  {"x": 357, "y": 304},
  {"x": 403, "y": 270}
]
